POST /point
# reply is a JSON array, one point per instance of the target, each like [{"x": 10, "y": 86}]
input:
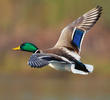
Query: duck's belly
[{"x": 60, "y": 66}]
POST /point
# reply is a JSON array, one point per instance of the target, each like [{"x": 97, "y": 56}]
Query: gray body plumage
[
  {"x": 40, "y": 60},
  {"x": 57, "y": 62}
]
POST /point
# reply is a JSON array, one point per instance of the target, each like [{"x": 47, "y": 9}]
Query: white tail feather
[
  {"x": 77, "y": 71},
  {"x": 89, "y": 67}
]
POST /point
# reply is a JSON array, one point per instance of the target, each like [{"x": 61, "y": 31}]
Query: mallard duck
[{"x": 65, "y": 55}]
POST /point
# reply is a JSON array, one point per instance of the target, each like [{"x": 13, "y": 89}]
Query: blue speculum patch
[{"x": 77, "y": 37}]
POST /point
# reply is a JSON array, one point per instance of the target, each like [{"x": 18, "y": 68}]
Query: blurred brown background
[{"x": 40, "y": 22}]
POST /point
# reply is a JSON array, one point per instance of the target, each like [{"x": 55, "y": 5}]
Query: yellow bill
[{"x": 17, "y": 48}]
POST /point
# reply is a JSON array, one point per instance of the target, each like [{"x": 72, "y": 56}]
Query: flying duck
[{"x": 65, "y": 55}]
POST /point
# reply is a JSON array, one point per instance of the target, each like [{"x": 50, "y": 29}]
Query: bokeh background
[{"x": 40, "y": 22}]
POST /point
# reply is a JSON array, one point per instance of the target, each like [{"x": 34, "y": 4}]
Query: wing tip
[
  {"x": 94, "y": 15},
  {"x": 36, "y": 62},
  {"x": 99, "y": 7}
]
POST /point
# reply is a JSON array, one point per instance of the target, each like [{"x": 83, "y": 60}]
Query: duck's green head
[{"x": 29, "y": 47}]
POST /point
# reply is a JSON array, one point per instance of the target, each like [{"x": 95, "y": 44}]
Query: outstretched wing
[
  {"x": 38, "y": 60},
  {"x": 72, "y": 35}
]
